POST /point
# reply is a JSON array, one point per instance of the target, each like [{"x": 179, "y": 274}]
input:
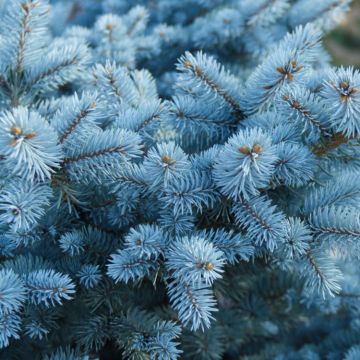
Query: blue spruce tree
[{"x": 178, "y": 180}]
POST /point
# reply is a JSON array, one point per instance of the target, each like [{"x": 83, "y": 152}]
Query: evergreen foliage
[{"x": 178, "y": 180}]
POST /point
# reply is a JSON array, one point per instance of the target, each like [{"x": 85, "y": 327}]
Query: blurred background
[{"x": 344, "y": 42}]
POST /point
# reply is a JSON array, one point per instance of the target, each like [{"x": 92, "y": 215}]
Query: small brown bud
[
  {"x": 343, "y": 97},
  {"x": 257, "y": 149},
  {"x": 167, "y": 160},
  {"x": 109, "y": 27},
  {"x": 209, "y": 266},
  {"x": 93, "y": 105},
  {"x": 227, "y": 21},
  {"x": 281, "y": 70},
  {"x": 198, "y": 71},
  {"x": 293, "y": 64},
  {"x": 187, "y": 64},
  {"x": 244, "y": 150},
  {"x": 16, "y": 130},
  {"x": 30, "y": 135},
  {"x": 345, "y": 85},
  {"x": 13, "y": 142},
  {"x": 15, "y": 211},
  {"x": 138, "y": 242},
  {"x": 25, "y": 6}
]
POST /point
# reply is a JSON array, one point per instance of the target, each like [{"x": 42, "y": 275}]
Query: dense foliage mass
[{"x": 178, "y": 180}]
